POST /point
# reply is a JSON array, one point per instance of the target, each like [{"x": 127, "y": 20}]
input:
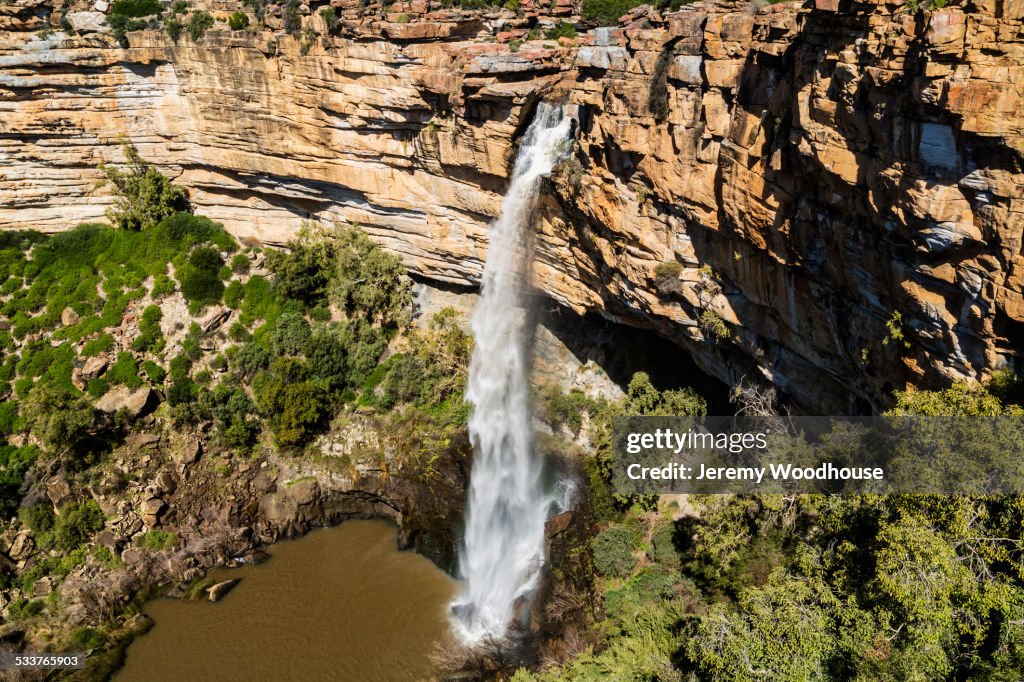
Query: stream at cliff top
[{"x": 337, "y": 604}]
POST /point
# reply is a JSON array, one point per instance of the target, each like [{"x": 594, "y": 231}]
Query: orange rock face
[{"x": 825, "y": 167}]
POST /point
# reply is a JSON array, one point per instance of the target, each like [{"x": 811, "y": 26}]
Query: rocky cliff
[{"x": 825, "y": 197}]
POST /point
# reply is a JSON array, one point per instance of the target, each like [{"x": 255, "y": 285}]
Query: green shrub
[
  {"x": 23, "y": 608},
  {"x": 14, "y": 462},
  {"x": 124, "y": 371},
  {"x": 292, "y": 17},
  {"x": 60, "y": 420},
  {"x": 162, "y": 286},
  {"x": 606, "y": 12},
  {"x": 199, "y": 24},
  {"x": 234, "y": 294},
  {"x": 135, "y": 8},
  {"x": 563, "y": 29},
  {"x": 240, "y": 264},
  {"x": 158, "y": 540},
  {"x": 150, "y": 334},
  {"x": 663, "y": 548},
  {"x": 127, "y": 15},
  {"x": 154, "y": 372},
  {"x": 657, "y": 96},
  {"x": 97, "y": 388},
  {"x": 200, "y": 277},
  {"x": 39, "y": 519},
  {"x": 290, "y": 334},
  {"x": 293, "y": 406},
  {"x": 174, "y": 28},
  {"x": 613, "y": 551},
  {"x": 76, "y": 523},
  {"x": 86, "y": 639},
  {"x": 370, "y": 282},
  {"x": 714, "y": 326},
  {"x": 237, "y": 331},
  {"x": 238, "y": 21},
  {"x": 301, "y": 273},
  {"x": 326, "y": 353},
  {"x": 144, "y": 195},
  {"x": 101, "y": 344},
  {"x": 330, "y": 18}
]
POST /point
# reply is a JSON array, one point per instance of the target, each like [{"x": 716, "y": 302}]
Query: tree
[
  {"x": 60, "y": 420},
  {"x": 144, "y": 195}
]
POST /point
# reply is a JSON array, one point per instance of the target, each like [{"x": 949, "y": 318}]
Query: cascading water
[{"x": 508, "y": 503}]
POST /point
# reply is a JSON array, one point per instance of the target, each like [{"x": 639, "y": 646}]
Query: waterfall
[{"x": 508, "y": 504}]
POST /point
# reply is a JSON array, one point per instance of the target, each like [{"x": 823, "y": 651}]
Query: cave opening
[{"x": 621, "y": 351}]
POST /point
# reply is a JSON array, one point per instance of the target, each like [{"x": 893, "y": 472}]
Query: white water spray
[{"x": 504, "y": 544}]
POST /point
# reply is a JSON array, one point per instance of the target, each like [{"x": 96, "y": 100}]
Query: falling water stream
[{"x": 509, "y": 502}]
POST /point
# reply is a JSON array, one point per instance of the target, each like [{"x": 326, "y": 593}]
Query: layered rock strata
[{"x": 829, "y": 199}]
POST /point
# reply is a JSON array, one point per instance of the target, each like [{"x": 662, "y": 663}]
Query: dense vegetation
[
  {"x": 314, "y": 332},
  {"x": 851, "y": 587}
]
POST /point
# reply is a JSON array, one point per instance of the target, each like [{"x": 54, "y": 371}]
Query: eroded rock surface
[{"x": 831, "y": 169}]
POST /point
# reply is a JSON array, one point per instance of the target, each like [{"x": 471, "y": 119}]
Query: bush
[
  {"x": 657, "y": 96},
  {"x": 135, "y": 8},
  {"x": 154, "y": 372},
  {"x": 607, "y": 12},
  {"x": 149, "y": 329},
  {"x": 157, "y": 540},
  {"x": 290, "y": 334},
  {"x": 23, "y": 608},
  {"x": 563, "y": 29},
  {"x": 330, "y": 18},
  {"x": 234, "y": 294},
  {"x": 144, "y": 195},
  {"x": 240, "y": 264},
  {"x": 174, "y": 28},
  {"x": 238, "y": 21},
  {"x": 200, "y": 277},
  {"x": 124, "y": 371},
  {"x": 613, "y": 551},
  {"x": 663, "y": 548},
  {"x": 714, "y": 326},
  {"x": 326, "y": 353},
  {"x": 76, "y": 523},
  {"x": 370, "y": 282},
  {"x": 199, "y": 24},
  {"x": 58, "y": 419},
  {"x": 39, "y": 518},
  {"x": 294, "y": 407},
  {"x": 300, "y": 273},
  {"x": 86, "y": 639},
  {"x": 292, "y": 18}
]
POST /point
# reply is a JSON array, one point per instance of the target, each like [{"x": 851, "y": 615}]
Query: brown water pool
[{"x": 337, "y": 604}]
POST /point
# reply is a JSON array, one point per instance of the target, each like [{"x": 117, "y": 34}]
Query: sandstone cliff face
[{"x": 843, "y": 176}]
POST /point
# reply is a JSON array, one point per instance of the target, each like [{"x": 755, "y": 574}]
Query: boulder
[
  {"x": 23, "y": 546},
  {"x": 58, "y": 491},
  {"x": 214, "y": 319},
  {"x": 93, "y": 367},
  {"x": 42, "y": 587},
  {"x": 133, "y": 402},
  {"x": 166, "y": 483},
  {"x": 76, "y": 379},
  {"x": 557, "y": 524},
  {"x": 69, "y": 317},
  {"x": 187, "y": 453},
  {"x": 217, "y": 592},
  {"x": 151, "y": 510},
  {"x": 88, "y": 22}
]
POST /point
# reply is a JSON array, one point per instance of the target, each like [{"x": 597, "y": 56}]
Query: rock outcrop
[{"x": 828, "y": 199}]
